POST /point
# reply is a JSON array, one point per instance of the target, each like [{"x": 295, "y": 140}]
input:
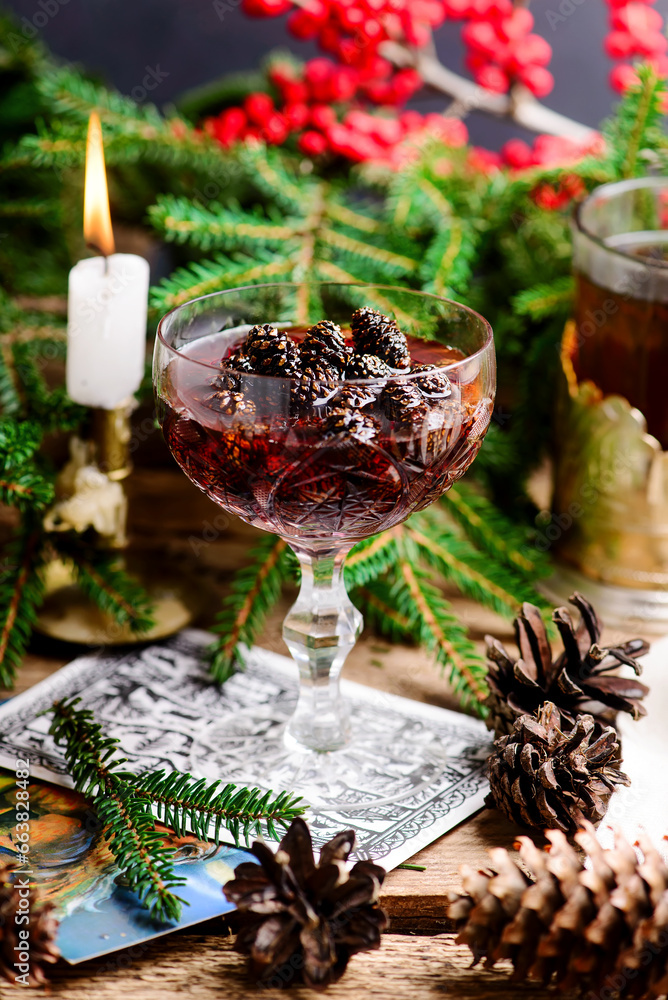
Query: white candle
[
  {"x": 107, "y": 303},
  {"x": 106, "y": 329}
]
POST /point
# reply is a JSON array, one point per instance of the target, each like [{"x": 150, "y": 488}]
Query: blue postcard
[{"x": 74, "y": 869}]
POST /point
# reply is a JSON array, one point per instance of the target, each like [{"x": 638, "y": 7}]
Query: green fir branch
[
  {"x": 129, "y": 826},
  {"x": 27, "y": 490},
  {"x": 635, "y": 132},
  {"x": 448, "y": 264},
  {"x": 472, "y": 572},
  {"x": 495, "y": 534},
  {"x": 182, "y": 221},
  {"x": 212, "y": 276},
  {"x": 255, "y": 590},
  {"x": 21, "y": 595},
  {"x": 370, "y": 559},
  {"x": 376, "y": 600},
  {"x": 51, "y": 408},
  {"x": 439, "y": 630},
  {"x": 18, "y": 442},
  {"x": 187, "y": 805},
  {"x": 542, "y": 301},
  {"x": 125, "y": 804},
  {"x": 105, "y": 582}
]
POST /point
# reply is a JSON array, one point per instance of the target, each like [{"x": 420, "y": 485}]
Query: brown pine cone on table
[
  {"x": 541, "y": 777},
  {"x": 577, "y": 681},
  {"x": 301, "y": 921},
  {"x": 601, "y": 930},
  {"x": 42, "y": 928}
]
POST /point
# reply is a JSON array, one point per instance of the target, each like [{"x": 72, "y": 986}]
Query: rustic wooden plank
[{"x": 204, "y": 967}]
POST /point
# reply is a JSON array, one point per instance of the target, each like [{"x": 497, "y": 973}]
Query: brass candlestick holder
[{"x": 91, "y": 496}]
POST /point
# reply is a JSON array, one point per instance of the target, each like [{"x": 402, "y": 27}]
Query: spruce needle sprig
[{"x": 125, "y": 802}]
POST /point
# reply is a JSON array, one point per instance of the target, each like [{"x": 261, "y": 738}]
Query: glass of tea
[
  {"x": 324, "y": 413},
  {"x": 620, "y": 257}
]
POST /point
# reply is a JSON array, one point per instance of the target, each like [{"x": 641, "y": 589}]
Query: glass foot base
[{"x": 366, "y": 775}]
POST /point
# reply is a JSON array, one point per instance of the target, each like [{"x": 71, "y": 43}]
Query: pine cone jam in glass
[{"x": 323, "y": 458}]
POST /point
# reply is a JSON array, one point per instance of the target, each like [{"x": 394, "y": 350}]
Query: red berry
[
  {"x": 266, "y": 8},
  {"x": 484, "y": 160},
  {"x": 492, "y": 78},
  {"x": 623, "y": 77},
  {"x": 275, "y": 130},
  {"x": 537, "y": 79},
  {"x": 619, "y": 45},
  {"x": 254, "y": 133},
  {"x": 353, "y": 145},
  {"x": 650, "y": 43},
  {"x": 343, "y": 83},
  {"x": 318, "y": 75},
  {"x": 303, "y": 26},
  {"x": 530, "y": 50},
  {"x": 410, "y": 120},
  {"x": 414, "y": 31},
  {"x": 635, "y": 17},
  {"x": 330, "y": 40},
  {"x": 312, "y": 143},
  {"x": 322, "y": 116},
  {"x": 517, "y": 153},
  {"x": 491, "y": 8},
  {"x": 387, "y": 131},
  {"x": 295, "y": 93},
  {"x": 296, "y": 116},
  {"x": 360, "y": 121},
  {"x": 451, "y": 131},
  {"x": 228, "y": 126},
  {"x": 380, "y": 93},
  {"x": 458, "y": 9},
  {"x": 481, "y": 36},
  {"x": 517, "y": 25},
  {"x": 352, "y": 18},
  {"x": 317, "y": 71},
  {"x": 406, "y": 83},
  {"x": 259, "y": 107}
]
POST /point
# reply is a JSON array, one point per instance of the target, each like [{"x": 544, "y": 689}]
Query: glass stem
[{"x": 320, "y": 630}]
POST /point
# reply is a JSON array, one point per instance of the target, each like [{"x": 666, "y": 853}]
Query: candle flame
[{"x": 97, "y": 219}]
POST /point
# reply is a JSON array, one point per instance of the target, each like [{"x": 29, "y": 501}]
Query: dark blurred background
[{"x": 183, "y": 44}]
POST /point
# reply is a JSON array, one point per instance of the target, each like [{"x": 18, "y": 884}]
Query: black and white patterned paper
[{"x": 414, "y": 771}]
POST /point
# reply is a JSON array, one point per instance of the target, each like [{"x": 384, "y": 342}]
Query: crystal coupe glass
[{"x": 329, "y": 469}]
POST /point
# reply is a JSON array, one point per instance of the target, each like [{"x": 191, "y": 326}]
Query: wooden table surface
[{"x": 418, "y": 957}]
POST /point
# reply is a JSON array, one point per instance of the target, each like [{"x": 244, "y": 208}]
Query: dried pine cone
[
  {"x": 324, "y": 342},
  {"x": 374, "y": 333},
  {"x": 403, "y": 402},
  {"x": 238, "y": 362},
  {"x": 433, "y": 384},
  {"x": 577, "y": 681},
  {"x": 541, "y": 777},
  {"x": 271, "y": 352},
  {"x": 231, "y": 403},
  {"x": 366, "y": 366},
  {"x": 351, "y": 423},
  {"x": 602, "y": 931},
  {"x": 42, "y": 949},
  {"x": 313, "y": 384},
  {"x": 301, "y": 921}
]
